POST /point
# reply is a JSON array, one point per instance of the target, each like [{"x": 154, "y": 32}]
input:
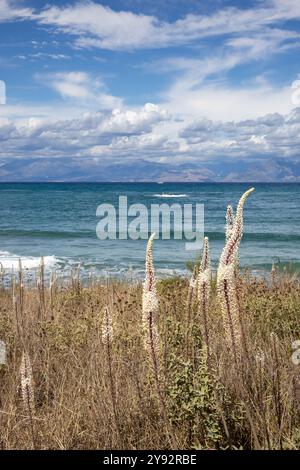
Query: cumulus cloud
[
  {"x": 149, "y": 145},
  {"x": 271, "y": 135},
  {"x": 133, "y": 121},
  {"x": 140, "y": 133},
  {"x": 91, "y": 133},
  {"x": 250, "y": 120}
]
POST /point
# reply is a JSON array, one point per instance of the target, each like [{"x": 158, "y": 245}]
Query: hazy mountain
[{"x": 81, "y": 169}]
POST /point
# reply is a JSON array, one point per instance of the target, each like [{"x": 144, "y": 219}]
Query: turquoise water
[{"x": 59, "y": 221}]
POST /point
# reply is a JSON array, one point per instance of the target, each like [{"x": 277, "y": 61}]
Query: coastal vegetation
[{"x": 209, "y": 362}]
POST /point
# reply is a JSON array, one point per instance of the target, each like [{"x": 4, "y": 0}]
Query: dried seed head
[
  {"x": 205, "y": 262},
  {"x": 150, "y": 302},
  {"x": 260, "y": 357},
  {"x": 229, "y": 222},
  {"x": 27, "y": 386},
  {"x": 204, "y": 275},
  {"x": 149, "y": 284},
  {"x": 107, "y": 327},
  {"x": 193, "y": 280}
]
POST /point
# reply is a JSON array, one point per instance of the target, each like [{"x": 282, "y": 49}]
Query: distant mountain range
[{"x": 87, "y": 169}]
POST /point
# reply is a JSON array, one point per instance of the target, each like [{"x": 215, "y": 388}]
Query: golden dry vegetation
[{"x": 89, "y": 397}]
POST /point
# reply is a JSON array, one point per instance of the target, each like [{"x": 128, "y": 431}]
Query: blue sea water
[{"x": 58, "y": 221}]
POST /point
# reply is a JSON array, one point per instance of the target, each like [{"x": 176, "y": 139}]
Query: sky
[{"x": 165, "y": 89}]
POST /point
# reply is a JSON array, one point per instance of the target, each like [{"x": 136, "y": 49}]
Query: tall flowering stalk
[
  {"x": 149, "y": 319},
  {"x": 151, "y": 337},
  {"x": 150, "y": 309},
  {"x": 204, "y": 287},
  {"x": 227, "y": 284},
  {"x": 228, "y": 232},
  {"x": 27, "y": 390}
]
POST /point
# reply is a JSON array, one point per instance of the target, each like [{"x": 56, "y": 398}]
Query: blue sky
[{"x": 168, "y": 82}]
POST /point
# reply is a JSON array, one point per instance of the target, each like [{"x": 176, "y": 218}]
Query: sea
[{"x": 59, "y": 220}]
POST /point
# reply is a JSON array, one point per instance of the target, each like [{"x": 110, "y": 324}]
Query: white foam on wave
[
  {"x": 11, "y": 261},
  {"x": 170, "y": 195}
]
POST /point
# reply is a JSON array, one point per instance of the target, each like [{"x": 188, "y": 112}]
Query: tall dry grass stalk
[
  {"x": 227, "y": 283},
  {"x": 190, "y": 301},
  {"x": 27, "y": 390},
  {"x": 41, "y": 289},
  {"x": 204, "y": 287},
  {"x": 52, "y": 285},
  {"x": 18, "y": 298},
  {"x": 107, "y": 339},
  {"x": 107, "y": 328},
  {"x": 150, "y": 310},
  {"x": 276, "y": 384},
  {"x": 191, "y": 291}
]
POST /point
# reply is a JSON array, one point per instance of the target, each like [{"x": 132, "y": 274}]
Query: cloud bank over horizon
[{"x": 192, "y": 92}]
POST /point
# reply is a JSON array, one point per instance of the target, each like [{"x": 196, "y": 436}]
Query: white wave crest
[
  {"x": 11, "y": 261},
  {"x": 169, "y": 195}
]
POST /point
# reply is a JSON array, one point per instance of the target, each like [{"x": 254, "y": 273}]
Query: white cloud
[
  {"x": 10, "y": 11},
  {"x": 144, "y": 133},
  {"x": 96, "y": 25},
  {"x": 224, "y": 102},
  {"x": 133, "y": 121},
  {"x": 201, "y": 117},
  {"x": 81, "y": 86},
  {"x": 100, "y": 26},
  {"x": 71, "y": 85},
  {"x": 120, "y": 130},
  {"x": 271, "y": 135},
  {"x": 200, "y": 86},
  {"x": 149, "y": 144},
  {"x": 42, "y": 55}
]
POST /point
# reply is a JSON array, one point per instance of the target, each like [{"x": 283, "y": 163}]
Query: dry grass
[{"x": 88, "y": 395}]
